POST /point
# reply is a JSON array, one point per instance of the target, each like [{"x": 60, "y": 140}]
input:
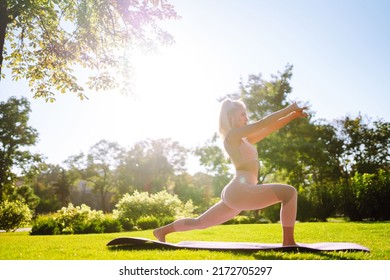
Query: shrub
[
  {"x": 147, "y": 222},
  {"x": 51, "y": 225},
  {"x": 80, "y": 219},
  {"x": 130, "y": 207},
  {"x": 187, "y": 211},
  {"x": 110, "y": 224},
  {"x": 89, "y": 226},
  {"x": 372, "y": 195},
  {"x": 161, "y": 206},
  {"x": 126, "y": 223},
  {"x": 240, "y": 219},
  {"x": 45, "y": 225},
  {"x": 14, "y": 214},
  {"x": 318, "y": 201},
  {"x": 76, "y": 220},
  {"x": 164, "y": 204},
  {"x": 272, "y": 213}
]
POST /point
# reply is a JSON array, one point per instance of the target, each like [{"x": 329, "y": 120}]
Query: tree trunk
[{"x": 4, "y": 20}]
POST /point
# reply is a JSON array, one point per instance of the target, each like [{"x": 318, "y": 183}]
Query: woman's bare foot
[
  {"x": 159, "y": 234},
  {"x": 289, "y": 244}
]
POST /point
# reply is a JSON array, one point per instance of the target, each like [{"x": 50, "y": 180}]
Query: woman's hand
[{"x": 299, "y": 112}]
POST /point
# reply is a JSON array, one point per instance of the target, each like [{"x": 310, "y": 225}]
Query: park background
[{"x": 116, "y": 153}]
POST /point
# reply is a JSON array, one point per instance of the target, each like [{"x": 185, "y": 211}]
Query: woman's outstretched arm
[
  {"x": 258, "y": 130},
  {"x": 278, "y": 124}
]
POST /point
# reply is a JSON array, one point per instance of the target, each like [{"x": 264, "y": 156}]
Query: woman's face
[{"x": 240, "y": 118}]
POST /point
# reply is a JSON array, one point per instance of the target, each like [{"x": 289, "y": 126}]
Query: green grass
[{"x": 375, "y": 236}]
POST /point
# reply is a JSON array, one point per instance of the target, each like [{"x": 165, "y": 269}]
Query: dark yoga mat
[{"x": 211, "y": 245}]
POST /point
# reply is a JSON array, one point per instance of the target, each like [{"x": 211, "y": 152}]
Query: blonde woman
[{"x": 243, "y": 192}]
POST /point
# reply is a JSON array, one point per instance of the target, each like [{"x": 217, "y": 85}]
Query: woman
[{"x": 243, "y": 193}]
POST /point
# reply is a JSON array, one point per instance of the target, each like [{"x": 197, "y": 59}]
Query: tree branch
[
  {"x": 4, "y": 20},
  {"x": 7, "y": 15}
]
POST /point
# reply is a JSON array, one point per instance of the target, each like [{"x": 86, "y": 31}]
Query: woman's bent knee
[
  {"x": 285, "y": 192},
  {"x": 293, "y": 193}
]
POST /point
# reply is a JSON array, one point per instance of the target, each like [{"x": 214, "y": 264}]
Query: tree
[
  {"x": 15, "y": 135},
  {"x": 198, "y": 188},
  {"x": 366, "y": 145},
  {"x": 304, "y": 151},
  {"x": 263, "y": 97},
  {"x": 149, "y": 165},
  {"x": 43, "y": 41},
  {"x": 102, "y": 159},
  {"x": 62, "y": 184},
  {"x": 212, "y": 157},
  {"x": 364, "y": 191},
  {"x": 51, "y": 185},
  {"x": 25, "y": 194}
]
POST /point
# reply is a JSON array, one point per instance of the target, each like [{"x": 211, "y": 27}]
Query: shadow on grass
[
  {"x": 285, "y": 254},
  {"x": 141, "y": 247},
  {"x": 272, "y": 255},
  {"x": 299, "y": 254}
]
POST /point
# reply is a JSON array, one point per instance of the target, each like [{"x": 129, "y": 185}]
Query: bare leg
[
  {"x": 262, "y": 196},
  {"x": 216, "y": 215},
  {"x": 288, "y": 236},
  {"x": 288, "y": 212},
  {"x": 259, "y": 197}
]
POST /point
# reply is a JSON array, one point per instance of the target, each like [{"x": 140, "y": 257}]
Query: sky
[{"x": 339, "y": 50}]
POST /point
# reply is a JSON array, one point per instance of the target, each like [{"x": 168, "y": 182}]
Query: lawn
[{"x": 375, "y": 236}]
